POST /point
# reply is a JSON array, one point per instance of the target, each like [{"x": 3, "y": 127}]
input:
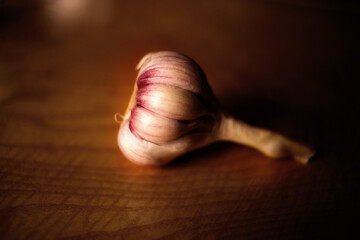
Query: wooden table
[{"x": 67, "y": 66}]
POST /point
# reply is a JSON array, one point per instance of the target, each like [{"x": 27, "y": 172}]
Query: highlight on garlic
[{"x": 172, "y": 111}]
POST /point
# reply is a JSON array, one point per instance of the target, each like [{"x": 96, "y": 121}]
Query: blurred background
[{"x": 66, "y": 66}]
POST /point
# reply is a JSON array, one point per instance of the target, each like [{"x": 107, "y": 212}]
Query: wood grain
[{"x": 67, "y": 66}]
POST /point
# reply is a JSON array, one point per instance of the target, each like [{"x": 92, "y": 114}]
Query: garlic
[{"x": 173, "y": 111}]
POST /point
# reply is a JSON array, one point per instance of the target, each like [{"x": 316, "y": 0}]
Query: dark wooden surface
[{"x": 67, "y": 66}]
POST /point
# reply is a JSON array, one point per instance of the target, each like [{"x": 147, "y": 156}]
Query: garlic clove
[
  {"x": 156, "y": 128},
  {"x": 170, "y": 102},
  {"x": 144, "y": 152}
]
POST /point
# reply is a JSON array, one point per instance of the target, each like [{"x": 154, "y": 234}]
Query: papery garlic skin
[{"x": 172, "y": 110}]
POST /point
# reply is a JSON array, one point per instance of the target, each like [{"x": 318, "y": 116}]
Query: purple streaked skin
[
  {"x": 180, "y": 70},
  {"x": 166, "y": 75}
]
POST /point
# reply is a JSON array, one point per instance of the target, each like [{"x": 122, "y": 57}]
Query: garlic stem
[{"x": 269, "y": 143}]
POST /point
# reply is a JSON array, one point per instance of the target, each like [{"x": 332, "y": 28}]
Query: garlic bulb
[{"x": 173, "y": 110}]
